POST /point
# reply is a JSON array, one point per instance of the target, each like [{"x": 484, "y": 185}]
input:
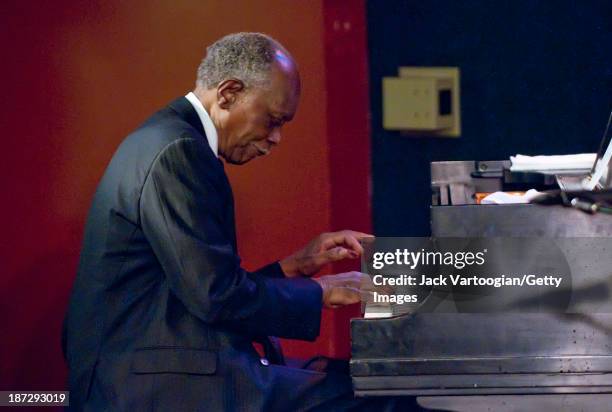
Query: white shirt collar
[{"x": 209, "y": 127}]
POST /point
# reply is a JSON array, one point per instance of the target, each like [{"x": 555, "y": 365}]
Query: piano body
[{"x": 434, "y": 354}]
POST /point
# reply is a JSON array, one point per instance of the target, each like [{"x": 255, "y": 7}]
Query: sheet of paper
[
  {"x": 503, "y": 198},
  {"x": 522, "y": 163}
]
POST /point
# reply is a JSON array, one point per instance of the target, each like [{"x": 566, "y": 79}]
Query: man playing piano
[{"x": 162, "y": 316}]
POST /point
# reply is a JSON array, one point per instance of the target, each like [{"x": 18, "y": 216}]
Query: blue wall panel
[{"x": 536, "y": 78}]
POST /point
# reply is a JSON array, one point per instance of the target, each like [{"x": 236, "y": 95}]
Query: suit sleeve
[
  {"x": 272, "y": 270},
  {"x": 182, "y": 216}
]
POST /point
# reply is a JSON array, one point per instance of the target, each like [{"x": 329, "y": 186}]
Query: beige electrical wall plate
[{"x": 424, "y": 101}]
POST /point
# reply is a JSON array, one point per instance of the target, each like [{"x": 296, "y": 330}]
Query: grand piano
[{"x": 490, "y": 361}]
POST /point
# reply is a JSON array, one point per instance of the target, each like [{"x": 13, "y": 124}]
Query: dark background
[{"x": 536, "y": 78}]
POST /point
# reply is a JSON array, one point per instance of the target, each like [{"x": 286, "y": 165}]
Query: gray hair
[{"x": 243, "y": 56}]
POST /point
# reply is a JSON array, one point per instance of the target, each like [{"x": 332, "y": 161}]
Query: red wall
[{"x": 78, "y": 77}]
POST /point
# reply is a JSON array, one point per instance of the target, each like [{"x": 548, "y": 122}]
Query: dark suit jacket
[{"x": 161, "y": 315}]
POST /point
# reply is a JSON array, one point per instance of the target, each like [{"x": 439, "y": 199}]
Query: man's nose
[{"x": 275, "y": 136}]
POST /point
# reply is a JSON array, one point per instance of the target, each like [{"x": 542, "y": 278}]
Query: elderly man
[{"x": 162, "y": 316}]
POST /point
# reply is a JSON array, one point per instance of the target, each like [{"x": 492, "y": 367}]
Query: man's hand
[
  {"x": 324, "y": 249},
  {"x": 344, "y": 288}
]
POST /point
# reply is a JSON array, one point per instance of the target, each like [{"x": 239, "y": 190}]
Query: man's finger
[
  {"x": 358, "y": 235},
  {"x": 344, "y": 296},
  {"x": 343, "y": 239},
  {"x": 333, "y": 255},
  {"x": 367, "y": 296},
  {"x": 361, "y": 281},
  {"x": 354, "y": 244},
  {"x": 355, "y": 280},
  {"x": 366, "y": 281}
]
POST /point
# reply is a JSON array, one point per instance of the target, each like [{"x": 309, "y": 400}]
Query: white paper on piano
[
  {"x": 522, "y": 163},
  {"x": 503, "y": 198}
]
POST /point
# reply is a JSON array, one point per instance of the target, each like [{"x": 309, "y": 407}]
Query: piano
[{"x": 466, "y": 361}]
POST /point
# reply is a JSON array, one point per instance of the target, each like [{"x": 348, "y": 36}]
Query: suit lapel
[
  {"x": 230, "y": 216},
  {"x": 185, "y": 110}
]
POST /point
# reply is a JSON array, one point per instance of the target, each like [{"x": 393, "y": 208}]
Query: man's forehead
[{"x": 284, "y": 91}]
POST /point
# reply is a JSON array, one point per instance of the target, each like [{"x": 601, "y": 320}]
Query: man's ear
[{"x": 228, "y": 91}]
